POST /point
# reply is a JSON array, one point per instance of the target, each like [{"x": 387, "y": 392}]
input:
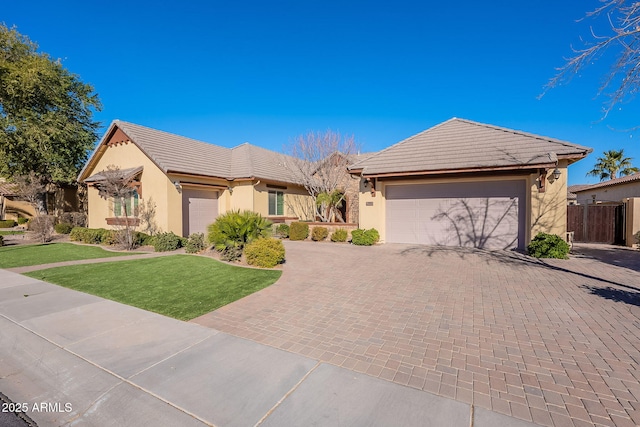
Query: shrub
[
  {"x": 141, "y": 239},
  {"x": 195, "y": 243},
  {"x": 115, "y": 237},
  {"x": 8, "y": 223},
  {"x": 77, "y": 234},
  {"x": 233, "y": 230},
  {"x": 282, "y": 231},
  {"x": 373, "y": 235},
  {"x": 637, "y": 237},
  {"x": 548, "y": 246},
  {"x": 365, "y": 237},
  {"x": 266, "y": 253},
  {"x": 163, "y": 242},
  {"x": 319, "y": 233},
  {"x": 340, "y": 235},
  {"x": 42, "y": 227},
  {"x": 76, "y": 219},
  {"x": 63, "y": 228},
  {"x": 94, "y": 236},
  {"x": 22, "y": 220},
  {"x": 298, "y": 231}
]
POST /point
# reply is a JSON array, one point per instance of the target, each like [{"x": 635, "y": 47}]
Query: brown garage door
[
  {"x": 473, "y": 214},
  {"x": 199, "y": 209}
]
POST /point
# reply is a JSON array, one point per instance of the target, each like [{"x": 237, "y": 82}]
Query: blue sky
[{"x": 264, "y": 72}]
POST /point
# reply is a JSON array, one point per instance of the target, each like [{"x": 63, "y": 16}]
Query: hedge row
[
  {"x": 102, "y": 236},
  {"x": 300, "y": 231},
  {"x": 161, "y": 242}
]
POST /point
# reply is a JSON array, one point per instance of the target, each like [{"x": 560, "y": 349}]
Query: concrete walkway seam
[
  {"x": 122, "y": 379},
  {"x": 169, "y": 357},
  {"x": 287, "y": 394},
  {"x": 471, "y": 415}
]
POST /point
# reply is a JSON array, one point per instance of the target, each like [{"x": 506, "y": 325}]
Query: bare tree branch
[
  {"x": 622, "y": 81},
  {"x": 318, "y": 161},
  {"x": 117, "y": 184}
]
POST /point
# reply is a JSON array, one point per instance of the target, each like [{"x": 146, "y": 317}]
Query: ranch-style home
[
  {"x": 460, "y": 183},
  {"x": 463, "y": 183},
  {"x": 190, "y": 182}
]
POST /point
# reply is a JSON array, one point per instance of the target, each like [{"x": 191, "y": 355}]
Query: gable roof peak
[{"x": 460, "y": 144}]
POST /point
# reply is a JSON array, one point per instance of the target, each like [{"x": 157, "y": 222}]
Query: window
[
  {"x": 276, "y": 203},
  {"x": 130, "y": 203}
]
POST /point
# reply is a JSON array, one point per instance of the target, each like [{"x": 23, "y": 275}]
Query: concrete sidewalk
[{"x": 76, "y": 359}]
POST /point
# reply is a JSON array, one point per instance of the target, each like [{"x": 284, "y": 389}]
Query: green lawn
[
  {"x": 10, "y": 232},
  {"x": 25, "y": 255},
  {"x": 179, "y": 286}
]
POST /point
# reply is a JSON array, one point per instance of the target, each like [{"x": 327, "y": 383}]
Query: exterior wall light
[{"x": 556, "y": 173}]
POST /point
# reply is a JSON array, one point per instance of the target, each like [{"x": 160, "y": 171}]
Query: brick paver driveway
[{"x": 557, "y": 343}]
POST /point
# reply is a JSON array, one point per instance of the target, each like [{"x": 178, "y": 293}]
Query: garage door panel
[
  {"x": 482, "y": 215},
  {"x": 199, "y": 209}
]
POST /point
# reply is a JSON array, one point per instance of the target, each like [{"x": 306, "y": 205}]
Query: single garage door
[
  {"x": 199, "y": 209},
  {"x": 474, "y": 214}
]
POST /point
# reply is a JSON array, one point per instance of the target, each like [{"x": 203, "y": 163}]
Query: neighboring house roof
[
  {"x": 122, "y": 173},
  {"x": 612, "y": 182},
  {"x": 463, "y": 145},
  {"x": 573, "y": 189},
  {"x": 8, "y": 189},
  {"x": 177, "y": 154}
]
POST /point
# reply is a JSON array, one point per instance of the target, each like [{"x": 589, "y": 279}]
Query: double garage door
[
  {"x": 487, "y": 215},
  {"x": 199, "y": 209}
]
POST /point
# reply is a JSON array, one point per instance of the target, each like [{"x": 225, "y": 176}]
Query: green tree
[
  {"x": 329, "y": 205},
  {"x": 611, "y": 164},
  {"x": 46, "y": 113}
]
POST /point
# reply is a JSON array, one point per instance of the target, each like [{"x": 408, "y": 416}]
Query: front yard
[
  {"x": 180, "y": 286},
  {"x": 27, "y": 255}
]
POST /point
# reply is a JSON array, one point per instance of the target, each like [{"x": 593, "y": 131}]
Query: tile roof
[
  {"x": 174, "y": 153},
  {"x": 8, "y": 189},
  {"x": 252, "y": 161},
  {"x": 459, "y": 144},
  {"x": 122, "y": 173},
  {"x": 178, "y": 154},
  {"x": 616, "y": 181},
  {"x": 572, "y": 189}
]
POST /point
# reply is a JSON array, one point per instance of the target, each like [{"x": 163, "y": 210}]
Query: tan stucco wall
[
  {"x": 190, "y": 182},
  {"x": 22, "y": 208},
  {"x": 297, "y": 202},
  {"x": 614, "y": 193},
  {"x": 243, "y": 198},
  {"x": 547, "y": 210},
  {"x": 155, "y": 184},
  {"x": 246, "y": 195},
  {"x": 632, "y": 211},
  {"x": 372, "y": 208}
]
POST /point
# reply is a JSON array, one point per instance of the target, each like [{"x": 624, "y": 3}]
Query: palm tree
[
  {"x": 328, "y": 205},
  {"x": 612, "y": 164}
]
